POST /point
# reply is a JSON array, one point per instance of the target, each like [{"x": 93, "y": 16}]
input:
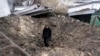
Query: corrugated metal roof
[
  {"x": 85, "y": 4},
  {"x": 82, "y": 12}
]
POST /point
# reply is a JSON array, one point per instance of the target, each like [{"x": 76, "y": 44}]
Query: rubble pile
[
  {"x": 58, "y": 6},
  {"x": 69, "y": 37}
]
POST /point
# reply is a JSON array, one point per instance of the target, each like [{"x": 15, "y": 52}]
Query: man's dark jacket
[{"x": 46, "y": 33}]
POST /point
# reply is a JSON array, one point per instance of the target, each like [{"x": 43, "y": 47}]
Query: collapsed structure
[
  {"x": 30, "y": 7},
  {"x": 35, "y": 7}
]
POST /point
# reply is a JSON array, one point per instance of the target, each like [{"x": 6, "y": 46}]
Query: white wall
[{"x": 4, "y": 8}]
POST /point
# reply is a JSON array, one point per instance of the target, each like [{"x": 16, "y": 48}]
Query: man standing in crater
[{"x": 46, "y": 35}]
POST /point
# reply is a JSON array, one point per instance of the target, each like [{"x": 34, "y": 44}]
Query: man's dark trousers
[{"x": 46, "y": 41}]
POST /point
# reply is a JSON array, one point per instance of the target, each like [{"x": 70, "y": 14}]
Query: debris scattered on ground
[{"x": 70, "y": 37}]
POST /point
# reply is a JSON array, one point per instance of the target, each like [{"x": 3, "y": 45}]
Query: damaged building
[
  {"x": 27, "y": 7},
  {"x": 84, "y": 10},
  {"x": 23, "y": 7}
]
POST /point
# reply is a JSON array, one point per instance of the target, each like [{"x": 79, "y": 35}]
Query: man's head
[{"x": 46, "y": 26}]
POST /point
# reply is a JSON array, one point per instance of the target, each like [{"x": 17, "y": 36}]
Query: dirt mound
[
  {"x": 58, "y": 6},
  {"x": 69, "y": 37}
]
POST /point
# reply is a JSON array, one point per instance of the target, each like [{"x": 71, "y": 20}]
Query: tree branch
[{"x": 15, "y": 45}]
